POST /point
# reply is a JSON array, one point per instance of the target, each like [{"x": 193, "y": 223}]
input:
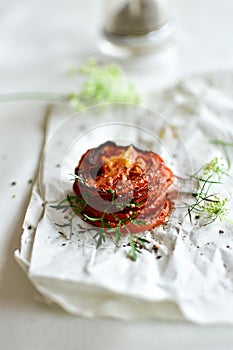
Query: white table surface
[{"x": 39, "y": 40}]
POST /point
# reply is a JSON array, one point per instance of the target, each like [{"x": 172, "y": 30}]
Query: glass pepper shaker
[{"x": 137, "y": 25}]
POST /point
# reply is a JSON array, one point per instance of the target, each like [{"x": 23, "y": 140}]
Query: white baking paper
[{"x": 191, "y": 274}]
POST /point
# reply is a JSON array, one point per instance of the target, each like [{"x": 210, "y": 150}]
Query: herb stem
[{"x": 34, "y": 96}]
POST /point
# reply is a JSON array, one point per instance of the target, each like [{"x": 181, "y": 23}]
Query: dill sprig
[
  {"x": 100, "y": 237},
  {"x": 78, "y": 205},
  {"x": 215, "y": 168},
  {"x": 76, "y": 177},
  {"x": 136, "y": 244},
  {"x": 100, "y": 234},
  {"x": 207, "y": 204},
  {"x": 214, "y": 208},
  {"x": 102, "y": 84},
  {"x": 225, "y": 145},
  {"x": 116, "y": 231},
  {"x": 123, "y": 223}
]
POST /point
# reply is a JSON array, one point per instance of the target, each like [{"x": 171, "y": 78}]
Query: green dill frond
[
  {"x": 215, "y": 167},
  {"x": 99, "y": 237},
  {"x": 214, "y": 208},
  {"x": 207, "y": 203},
  {"x": 136, "y": 243},
  {"x": 224, "y": 145},
  {"x": 103, "y": 84}
]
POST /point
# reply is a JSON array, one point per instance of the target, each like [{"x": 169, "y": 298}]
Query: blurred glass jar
[{"x": 137, "y": 25}]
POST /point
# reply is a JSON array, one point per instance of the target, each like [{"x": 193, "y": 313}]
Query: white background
[{"x": 39, "y": 40}]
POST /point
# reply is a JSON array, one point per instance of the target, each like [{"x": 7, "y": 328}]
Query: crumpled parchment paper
[{"x": 191, "y": 274}]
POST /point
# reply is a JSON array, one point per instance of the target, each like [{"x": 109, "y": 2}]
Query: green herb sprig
[
  {"x": 102, "y": 84},
  {"x": 136, "y": 244},
  {"x": 207, "y": 204},
  {"x": 77, "y": 204},
  {"x": 225, "y": 145},
  {"x": 116, "y": 231}
]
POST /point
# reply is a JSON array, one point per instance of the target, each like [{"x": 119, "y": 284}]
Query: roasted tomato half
[{"x": 123, "y": 186}]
